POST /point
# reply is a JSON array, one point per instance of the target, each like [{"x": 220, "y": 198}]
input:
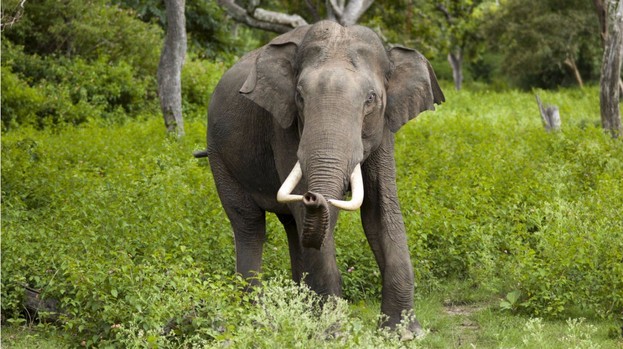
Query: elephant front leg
[{"x": 385, "y": 231}]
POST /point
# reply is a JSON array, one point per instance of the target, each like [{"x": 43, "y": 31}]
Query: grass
[
  {"x": 507, "y": 224},
  {"x": 449, "y": 322}
]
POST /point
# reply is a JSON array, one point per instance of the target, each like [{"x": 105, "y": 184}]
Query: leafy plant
[{"x": 141, "y": 243}]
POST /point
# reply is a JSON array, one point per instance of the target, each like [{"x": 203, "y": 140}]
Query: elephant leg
[
  {"x": 385, "y": 231},
  {"x": 294, "y": 243},
  {"x": 320, "y": 269},
  {"x": 316, "y": 268},
  {"x": 247, "y": 219}
]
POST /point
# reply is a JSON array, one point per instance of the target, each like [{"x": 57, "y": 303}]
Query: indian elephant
[{"x": 297, "y": 124}]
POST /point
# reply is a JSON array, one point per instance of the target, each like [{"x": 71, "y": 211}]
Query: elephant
[{"x": 296, "y": 125}]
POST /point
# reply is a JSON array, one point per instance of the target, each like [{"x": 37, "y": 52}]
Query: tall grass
[{"x": 123, "y": 226}]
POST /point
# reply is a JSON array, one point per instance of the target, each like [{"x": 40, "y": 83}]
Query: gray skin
[{"x": 330, "y": 97}]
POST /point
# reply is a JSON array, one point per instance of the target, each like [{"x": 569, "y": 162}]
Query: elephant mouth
[{"x": 284, "y": 195}]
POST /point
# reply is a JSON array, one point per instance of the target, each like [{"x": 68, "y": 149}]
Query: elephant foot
[
  {"x": 412, "y": 331},
  {"x": 408, "y": 328}
]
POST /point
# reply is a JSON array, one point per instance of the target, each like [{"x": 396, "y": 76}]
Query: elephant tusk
[
  {"x": 356, "y": 185},
  {"x": 284, "y": 195}
]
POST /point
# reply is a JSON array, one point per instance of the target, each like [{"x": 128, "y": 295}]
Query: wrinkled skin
[{"x": 329, "y": 97}]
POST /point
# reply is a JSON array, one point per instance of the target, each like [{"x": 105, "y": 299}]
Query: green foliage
[
  {"x": 43, "y": 91},
  {"x": 88, "y": 29},
  {"x": 124, "y": 227},
  {"x": 492, "y": 198},
  {"x": 211, "y": 33},
  {"x": 540, "y": 36},
  {"x": 281, "y": 314},
  {"x": 199, "y": 78},
  {"x": 67, "y": 62},
  {"x": 115, "y": 260},
  {"x": 515, "y": 42}
]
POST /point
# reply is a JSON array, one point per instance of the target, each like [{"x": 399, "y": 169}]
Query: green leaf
[{"x": 513, "y": 297}]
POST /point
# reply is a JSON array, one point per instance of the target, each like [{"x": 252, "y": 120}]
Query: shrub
[
  {"x": 199, "y": 78},
  {"x": 70, "y": 61},
  {"x": 88, "y": 30},
  {"x": 134, "y": 234},
  {"x": 492, "y": 198},
  {"x": 42, "y": 91}
]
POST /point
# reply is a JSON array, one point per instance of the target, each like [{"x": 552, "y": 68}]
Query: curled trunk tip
[{"x": 316, "y": 223}]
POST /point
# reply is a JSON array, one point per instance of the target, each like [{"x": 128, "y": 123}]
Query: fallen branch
[{"x": 262, "y": 19}]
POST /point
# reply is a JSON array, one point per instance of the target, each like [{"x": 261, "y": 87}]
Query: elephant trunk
[
  {"x": 316, "y": 223},
  {"x": 318, "y": 212},
  {"x": 325, "y": 183}
]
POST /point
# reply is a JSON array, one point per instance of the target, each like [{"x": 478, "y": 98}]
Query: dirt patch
[
  {"x": 467, "y": 329},
  {"x": 462, "y": 309}
]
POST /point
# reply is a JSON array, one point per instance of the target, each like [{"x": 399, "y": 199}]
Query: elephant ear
[
  {"x": 271, "y": 82},
  {"x": 412, "y": 87}
]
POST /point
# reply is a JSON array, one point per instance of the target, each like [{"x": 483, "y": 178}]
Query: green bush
[
  {"x": 199, "y": 78},
  {"x": 86, "y": 29},
  {"x": 124, "y": 227},
  {"x": 67, "y": 62},
  {"x": 491, "y": 197},
  {"x": 42, "y": 91},
  {"x": 20, "y": 102}
]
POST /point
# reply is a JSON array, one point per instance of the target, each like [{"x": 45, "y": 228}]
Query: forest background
[
  {"x": 66, "y": 62},
  {"x": 118, "y": 233}
]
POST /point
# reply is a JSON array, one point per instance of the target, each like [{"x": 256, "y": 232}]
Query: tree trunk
[
  {"x": 170, "y": 67},
  {"x": 611, "y": 71},
  {"x": 600, "y": 8},
  {"x": 456, "y": 62}
]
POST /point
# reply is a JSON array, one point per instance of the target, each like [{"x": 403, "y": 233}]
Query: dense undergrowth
[{"x": 123, "y": 226}]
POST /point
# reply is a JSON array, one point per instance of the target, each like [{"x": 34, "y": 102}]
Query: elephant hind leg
[{"x": 247, "y": 219}]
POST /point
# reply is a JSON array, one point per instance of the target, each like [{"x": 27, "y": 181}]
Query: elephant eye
[
  {"x": 298, "y": 97},
  {"x": 371, "y": 98},
  {"x": 370, "y": 102}
]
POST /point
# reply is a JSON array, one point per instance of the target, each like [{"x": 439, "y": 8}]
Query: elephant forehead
[
  {"x": 346, "y": 49},
  {"x": 325, "y": 31},
  {"x": 329, "y": 79},
  {"x": 357, "y": 46}
]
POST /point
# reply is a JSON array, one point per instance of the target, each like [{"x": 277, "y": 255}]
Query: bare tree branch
[
  {"x": 252, "y": 5},
  {"x": 313, "y": 10},
  {"x": 335, "y": 8},
  {"x": 7, "y": 20},
  {"x": 262, "y": 19},
  {"x": 445, "y": 11},
  {"x": 280, "y": 18},
  {"x": 342, "y": 11},
  {"x": 354, "y": 10}
]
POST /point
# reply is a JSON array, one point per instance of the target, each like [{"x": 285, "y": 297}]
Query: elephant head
[{"x": 340, "y": 90}]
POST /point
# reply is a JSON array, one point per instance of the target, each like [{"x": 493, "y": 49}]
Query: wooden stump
[{"x": 550, "y": 116}]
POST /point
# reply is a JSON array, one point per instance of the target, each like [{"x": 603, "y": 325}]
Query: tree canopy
[
  {"x": 546, "y": 43},
  {"x": 512, "y": 43}
]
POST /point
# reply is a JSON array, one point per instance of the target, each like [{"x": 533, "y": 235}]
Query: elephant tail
[{"x": 200, "y": 154}]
